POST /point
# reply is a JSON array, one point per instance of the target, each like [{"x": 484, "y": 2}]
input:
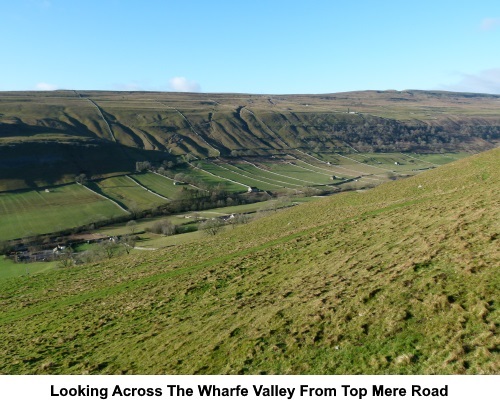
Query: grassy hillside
[
  {"x": 49, "y": 137},
  {"x": 403, "y": 278}
]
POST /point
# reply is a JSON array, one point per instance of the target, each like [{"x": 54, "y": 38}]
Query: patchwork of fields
[{"x": 29, "y": 213}]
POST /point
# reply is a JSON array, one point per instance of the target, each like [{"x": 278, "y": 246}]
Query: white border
[{"x": 461, "y": 389}]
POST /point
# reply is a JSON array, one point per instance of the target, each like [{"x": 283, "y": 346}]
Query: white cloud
[
  {"x": 488, "y": 24},
  {"x": 45, "y": 86},
  {"x": 486, "y": 81},
  {"x": 183, "y": 85}
]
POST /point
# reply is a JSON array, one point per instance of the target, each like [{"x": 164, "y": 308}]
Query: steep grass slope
[{"x": 403, "y": 278}]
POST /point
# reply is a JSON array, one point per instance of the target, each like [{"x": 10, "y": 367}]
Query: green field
[
  {"x": 233, "y": 173},
  {"x": 401, "y": 279},
  {"x": 30, "y": 213},
  {"x": 293, "y": 170},
  {"x": 128, "y": 193},
  {"x": 259, "y": 173},
  {"x": 210, "y": 178},
  {"x": 437, "y": 158},
  {"x": 387, "y": 161},
  {"x": 323, "y": 169},
  {"x": 9, "y": 269},
  {"x": 161, "y": 185},
  {"x": 351, "y": 164}
]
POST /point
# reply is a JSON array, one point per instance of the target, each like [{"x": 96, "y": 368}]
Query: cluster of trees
[
  {"x": 376, "y": 134},
  {"x": 142, "y": 166},
  {"x": 163, "y": 227},
  {"x": 212, "y": 226}
]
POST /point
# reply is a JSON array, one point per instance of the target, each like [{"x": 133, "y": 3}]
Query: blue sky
[{"x": 273, "y": 46}]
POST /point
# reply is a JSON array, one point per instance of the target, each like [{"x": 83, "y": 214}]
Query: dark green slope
[{"x": 403, "y": 278}]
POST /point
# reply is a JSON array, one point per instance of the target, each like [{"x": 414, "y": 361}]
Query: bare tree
[
  {"x": 109, "y": 247},
  {"x": 164, "y": 227},
  {"x": 128, "y": 242},
  {"x": 212, "y": 226},
  {"x": 134, "y": 209},
  {"x": 142, "y": 166},
  {"x": 132, "y": 226}
]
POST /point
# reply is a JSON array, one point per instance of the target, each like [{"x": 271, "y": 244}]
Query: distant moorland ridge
[{"x": 49, "y": 137}]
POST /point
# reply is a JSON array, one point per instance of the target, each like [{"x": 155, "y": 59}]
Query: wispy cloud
[
  {"x": 45, "y": 86},
  {"x": 486, "y": 81},
  {"x": 489, "y": 24},
  {"x": 183, "y": 85}
]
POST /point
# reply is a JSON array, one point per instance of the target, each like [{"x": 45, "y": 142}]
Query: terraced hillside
[
  {"x": 49, "y": 137},
  {"x": 403, "y": 278}
]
